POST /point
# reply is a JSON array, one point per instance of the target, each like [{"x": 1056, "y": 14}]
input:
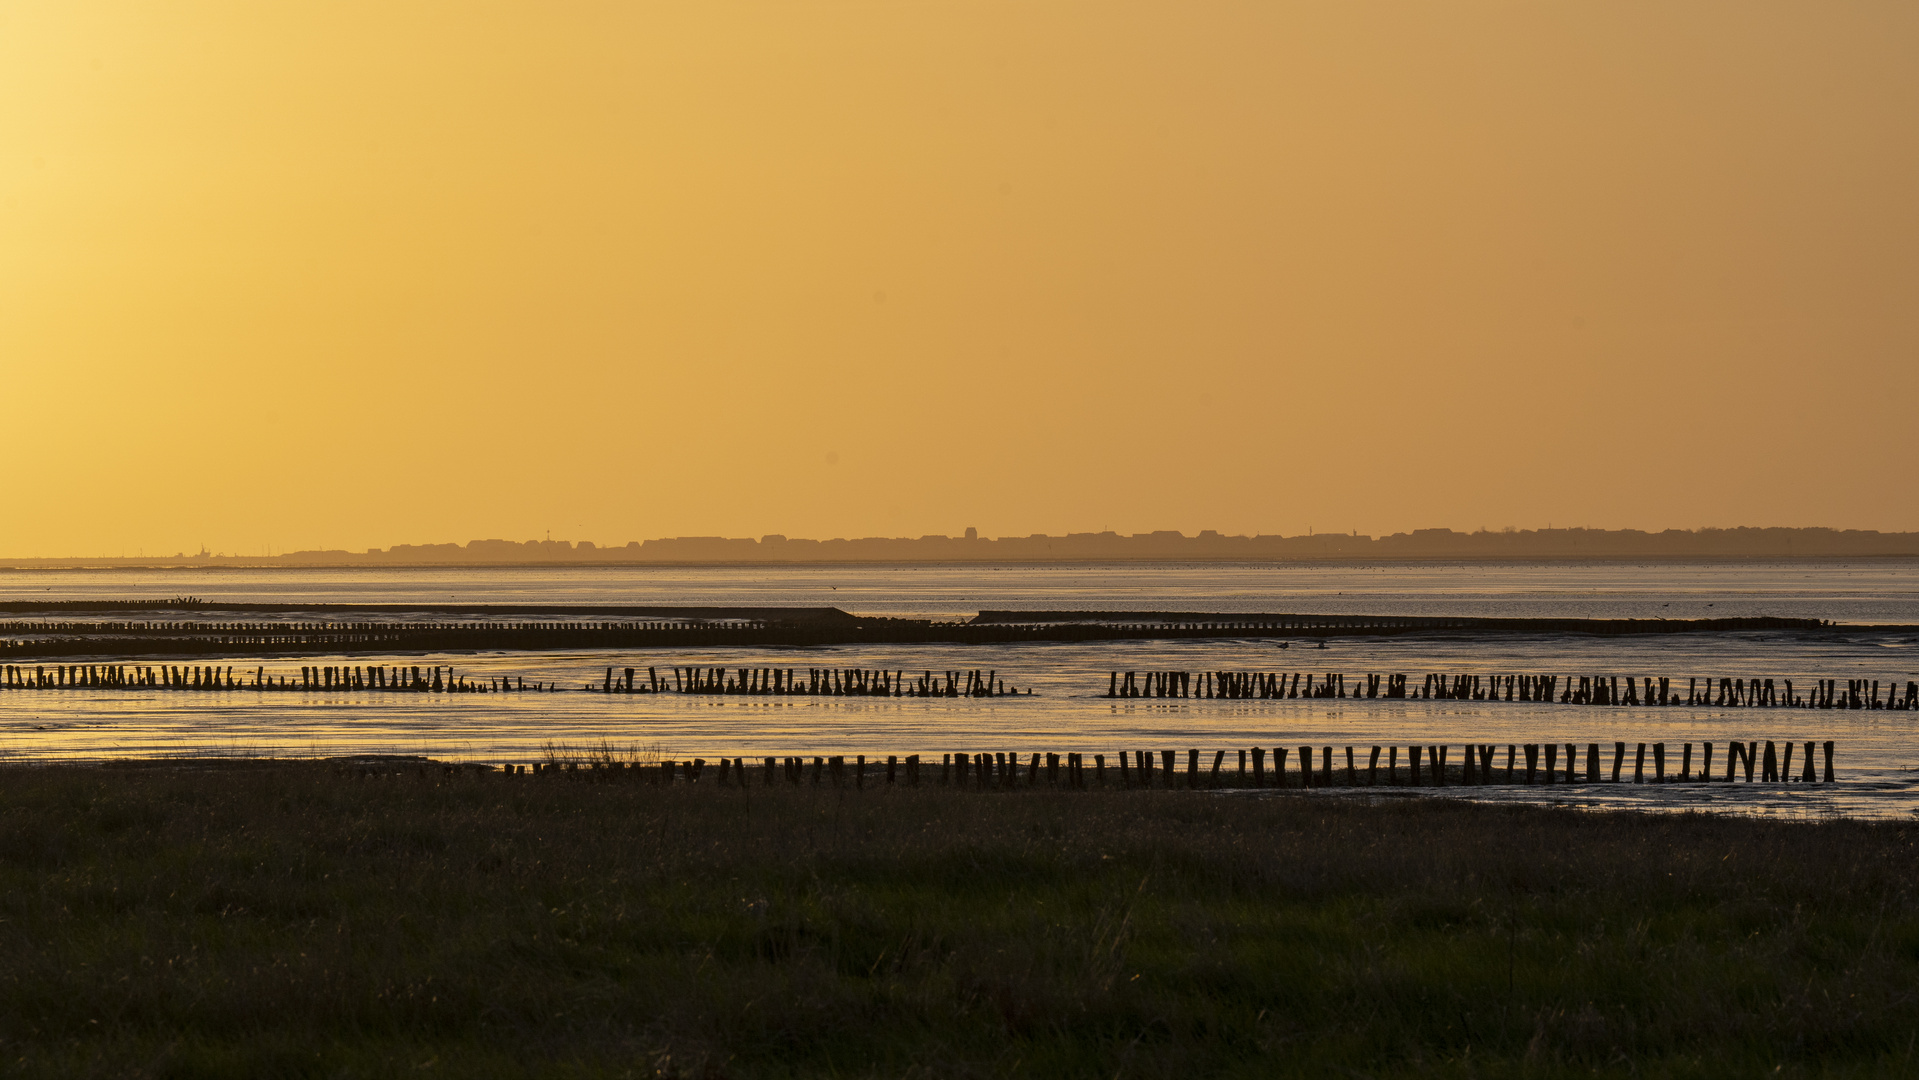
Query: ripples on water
[{"x": 1068, "y": 711}]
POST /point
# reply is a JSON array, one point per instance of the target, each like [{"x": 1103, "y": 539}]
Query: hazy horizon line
[{"x": 1106, "y": 545}]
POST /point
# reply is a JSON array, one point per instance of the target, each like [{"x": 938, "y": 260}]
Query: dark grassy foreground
[{"x": 281, "y": 921}]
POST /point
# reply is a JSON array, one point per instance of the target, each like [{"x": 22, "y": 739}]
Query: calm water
[
  {"x": 1877, "y": 753},
  {"x": 1863, "y": 592}
]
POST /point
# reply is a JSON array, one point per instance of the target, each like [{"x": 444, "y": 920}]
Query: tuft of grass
[
  {"x": 602, "y": 754},
  {"x": 291, "y": 920}
]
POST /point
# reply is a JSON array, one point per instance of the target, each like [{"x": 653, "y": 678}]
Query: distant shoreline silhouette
[{"x": 1422, "y": 545}]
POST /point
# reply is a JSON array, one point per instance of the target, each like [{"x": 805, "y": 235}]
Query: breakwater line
[
  {"x": 52, "y": 634},
  {"x": 1768, "y": 761},
  {"x": 415, "y": 679},
  {"x": 761, "y": 681},
  {"x": 1753, "y": 692}
]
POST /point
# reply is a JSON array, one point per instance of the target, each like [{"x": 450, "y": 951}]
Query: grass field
[{"x": 263, "y": 920}]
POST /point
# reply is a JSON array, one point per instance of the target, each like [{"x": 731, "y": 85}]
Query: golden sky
[{"x": 290, "y": 275}]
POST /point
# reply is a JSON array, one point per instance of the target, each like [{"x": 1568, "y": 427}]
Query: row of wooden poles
[
  {"x": 296, "y": 628},
  {"x": 834, "y": 682},
  {"x": 1580, "y": 690},
  {"x": 41, "y": 640},
  {"x": 1426, "y": 766},
  {"x": 827, "y": 682},
  {"x": 76, "y": 640},
  {"x": 735, "y": 771},
  {"x": 1585, "y": 690},
  {"x": 414, "y": 679}
]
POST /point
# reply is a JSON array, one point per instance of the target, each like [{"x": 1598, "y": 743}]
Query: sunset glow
[{"x": 285, "y": 276}]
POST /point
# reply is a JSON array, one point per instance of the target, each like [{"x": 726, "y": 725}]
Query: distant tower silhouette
[{"x": 972, "y": 533}]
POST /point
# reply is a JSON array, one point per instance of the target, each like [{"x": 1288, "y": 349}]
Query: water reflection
[{"x": 1068, "y": 712}]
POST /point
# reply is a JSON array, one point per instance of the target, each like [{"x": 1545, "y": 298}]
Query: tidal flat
[{"x": 309, "y": 919}]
